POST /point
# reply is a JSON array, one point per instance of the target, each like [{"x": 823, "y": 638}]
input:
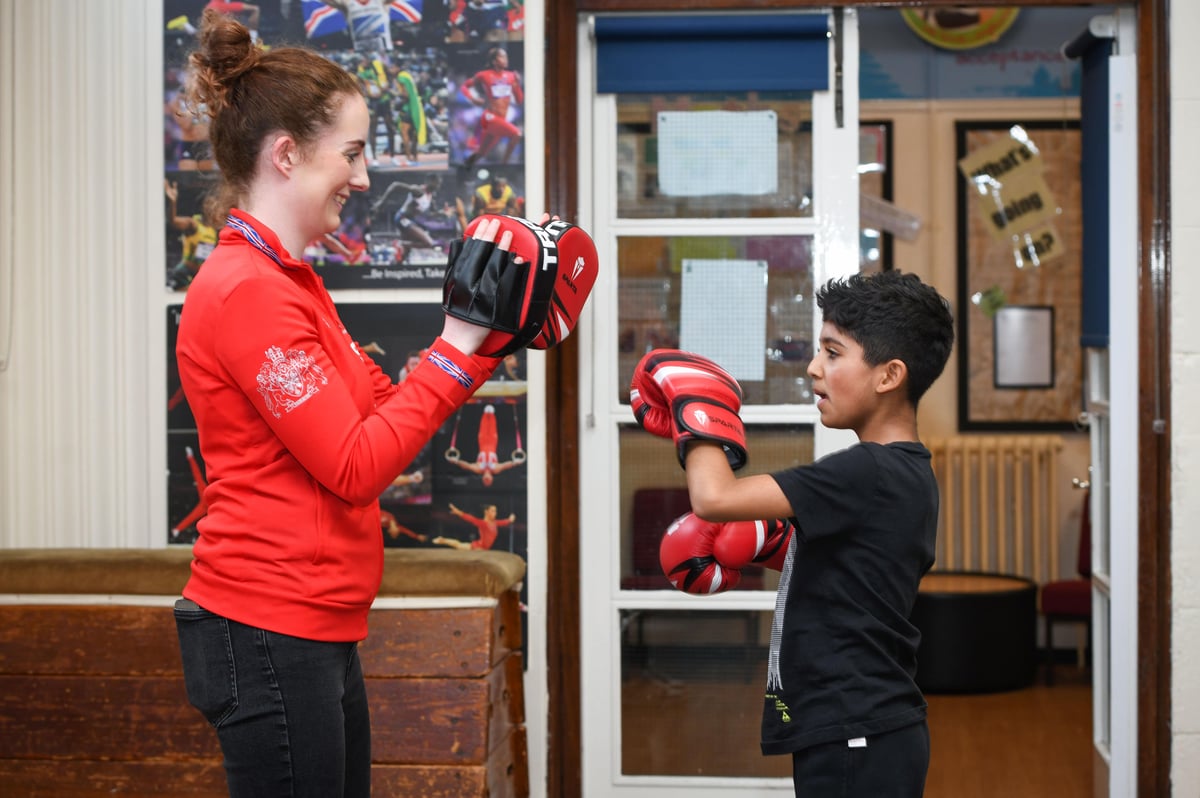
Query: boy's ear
[{"x": 893, "y": 375}]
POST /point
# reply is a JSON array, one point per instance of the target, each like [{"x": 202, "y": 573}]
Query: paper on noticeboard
[
  {"x": 703, "y": 153},
  {"x": 723, "y": 314}
]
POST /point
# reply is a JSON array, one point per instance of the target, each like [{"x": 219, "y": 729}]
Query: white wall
[
  {"x": 80, "y": 226},
  {"x": 1185, "y": 385}
]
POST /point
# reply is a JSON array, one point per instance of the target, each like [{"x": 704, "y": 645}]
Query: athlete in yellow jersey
[
  {"x": 198, "y": 240},
  {"x": 496, "y": 196}
]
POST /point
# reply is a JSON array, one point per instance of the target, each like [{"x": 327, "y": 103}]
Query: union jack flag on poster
[
  {"x": 406, "y": 11},
  {"x": 322, "y": 19}
]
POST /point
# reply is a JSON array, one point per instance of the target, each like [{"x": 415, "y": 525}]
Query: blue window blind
[
  {"x": 1093, "y": 162},
  {"x": 712, "y": 52}
]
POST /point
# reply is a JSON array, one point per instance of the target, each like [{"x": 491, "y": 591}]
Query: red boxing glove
[
  {"x": 698, "y": 398},
  {"x": 705, "y": 557},
  {"x": 743, "y": 543},
  {"x": 649, "y": 405},
  {"x": 686, "y": 556}
]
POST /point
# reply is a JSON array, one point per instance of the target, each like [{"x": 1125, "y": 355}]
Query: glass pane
[
  {"x": 874, "y": 180},
  {"x": 1101, "y": 528},
  {"x": 1102, "y": 695},
  {"x": 650, "y": 288},
  {"x": 654, "y": 493},
  {"x": 639, "y": 193},
  {"x": 692, "y": 694}
]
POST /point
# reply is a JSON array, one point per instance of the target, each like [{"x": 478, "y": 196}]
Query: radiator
[{"x": 999, "y": 504}]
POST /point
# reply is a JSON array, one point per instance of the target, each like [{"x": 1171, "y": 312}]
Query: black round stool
[{"x": 978, "y": 632}]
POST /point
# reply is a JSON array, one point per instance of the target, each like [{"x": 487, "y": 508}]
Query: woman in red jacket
[{"x": 300, "y": 431}]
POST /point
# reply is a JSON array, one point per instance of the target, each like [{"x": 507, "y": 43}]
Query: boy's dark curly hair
[{"x": 893, "y": 315}]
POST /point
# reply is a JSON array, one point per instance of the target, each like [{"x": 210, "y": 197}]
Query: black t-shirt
[{"x": 866, "y": 520}]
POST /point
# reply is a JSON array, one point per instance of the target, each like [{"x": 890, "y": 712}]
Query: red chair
[
  {"x": 1070, "y": 600},
  {"x": 653, "y": 511}
]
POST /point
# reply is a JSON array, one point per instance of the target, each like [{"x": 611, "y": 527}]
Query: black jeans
[
  {"x": 891, "y": 765},
  {"x": 291, "y": 714}
]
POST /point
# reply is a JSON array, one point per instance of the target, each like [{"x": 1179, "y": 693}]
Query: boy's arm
[{"x": 717, "y": 494}]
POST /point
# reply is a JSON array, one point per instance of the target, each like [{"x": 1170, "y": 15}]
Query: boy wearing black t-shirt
[{"x": 840, "y": 697}]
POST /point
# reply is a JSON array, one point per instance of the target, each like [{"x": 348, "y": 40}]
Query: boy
[{"x": 840, "y": 696}]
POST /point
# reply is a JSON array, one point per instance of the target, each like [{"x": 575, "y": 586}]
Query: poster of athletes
[
  {"x": 442, "y": 79},
  {"x": 443, "y": 82}
]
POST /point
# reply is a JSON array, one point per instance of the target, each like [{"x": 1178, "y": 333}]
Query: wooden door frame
[{"x": 564, "y": 755}]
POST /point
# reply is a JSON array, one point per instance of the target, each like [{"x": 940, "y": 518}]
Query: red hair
[{"x": 248, "y": 92}]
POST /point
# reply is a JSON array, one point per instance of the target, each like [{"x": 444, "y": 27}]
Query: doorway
[{"x": 582, "y": 142}]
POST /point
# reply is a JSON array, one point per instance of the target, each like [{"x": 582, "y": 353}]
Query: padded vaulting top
[{"x": 157, "y": 572}]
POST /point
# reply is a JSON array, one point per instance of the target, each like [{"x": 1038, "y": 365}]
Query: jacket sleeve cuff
[
  {"x": 487, "y": 364},
  {"x": 466, "y": 371}
]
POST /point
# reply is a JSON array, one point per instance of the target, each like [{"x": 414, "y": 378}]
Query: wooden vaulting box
[{"x": 91, "y": 689}]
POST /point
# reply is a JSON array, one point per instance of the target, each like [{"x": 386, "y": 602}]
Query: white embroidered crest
[{"x": 287, "y": 381}]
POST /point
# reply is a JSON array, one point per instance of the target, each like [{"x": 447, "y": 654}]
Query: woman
[{"x": 300, "y": 430}]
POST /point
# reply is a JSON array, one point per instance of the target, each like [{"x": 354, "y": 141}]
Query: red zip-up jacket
[{"x": 300, "y": 433}]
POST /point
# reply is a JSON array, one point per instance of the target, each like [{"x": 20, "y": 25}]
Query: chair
[
  {"x": 1070, "y": 600},
  {"x": 653, "y": 511}
]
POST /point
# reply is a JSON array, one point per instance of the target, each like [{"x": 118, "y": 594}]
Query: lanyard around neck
[{"x": 255, "y": 239}]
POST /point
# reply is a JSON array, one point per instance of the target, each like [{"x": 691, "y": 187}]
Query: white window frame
[{"x": 835, "y": 231}]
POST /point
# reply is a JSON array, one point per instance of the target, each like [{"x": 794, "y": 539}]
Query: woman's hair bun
[{"x": 226, "y": 52}]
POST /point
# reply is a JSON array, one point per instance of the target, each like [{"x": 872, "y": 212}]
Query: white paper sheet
[
  {"x": 723, "y": 314},
  {"x": 706, "y": 153}
]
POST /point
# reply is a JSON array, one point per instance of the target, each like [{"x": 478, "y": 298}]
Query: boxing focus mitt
[{"x": 530, "y": 295}]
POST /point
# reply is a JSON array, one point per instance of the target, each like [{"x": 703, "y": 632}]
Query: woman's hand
[{"x": 463, "y": 335}]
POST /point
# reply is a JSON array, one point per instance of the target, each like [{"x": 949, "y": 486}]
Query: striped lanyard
[
  {"x": 262, "y": 246},
  {"x": 253, "y": 236}
]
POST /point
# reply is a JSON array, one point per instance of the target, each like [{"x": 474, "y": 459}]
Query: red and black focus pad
[
  {"x": 535, "y": 302},
  {"x": 486, "y": 285},
  {"x": 685, "y": 554},
  {"x": 578, "y": 265}
]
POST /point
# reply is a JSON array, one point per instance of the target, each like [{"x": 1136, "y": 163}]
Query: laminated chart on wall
[
  {"x": 1024, "y": 343},
  {"x": 704, "y": 153},
  {"x": 723, "y": 314}
]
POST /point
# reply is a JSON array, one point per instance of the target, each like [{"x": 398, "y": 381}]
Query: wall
[
  {"x": 80, "y": 227},
  {"x": 924, "y": 90},
  {"x": 1184, "y": 424},
  {"x": 924, "y": 184}
]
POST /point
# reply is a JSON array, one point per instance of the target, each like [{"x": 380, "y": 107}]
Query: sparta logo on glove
[{"x": 535, "y": 303}]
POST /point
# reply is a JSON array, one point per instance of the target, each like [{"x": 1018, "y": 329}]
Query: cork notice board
[{"x": 1020, "y": 233}]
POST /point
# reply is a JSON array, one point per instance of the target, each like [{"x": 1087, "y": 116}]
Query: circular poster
[{"x": 959, "y": 28}]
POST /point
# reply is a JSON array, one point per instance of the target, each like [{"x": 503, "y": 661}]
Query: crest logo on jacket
[{"x": 287, "y": 381}]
